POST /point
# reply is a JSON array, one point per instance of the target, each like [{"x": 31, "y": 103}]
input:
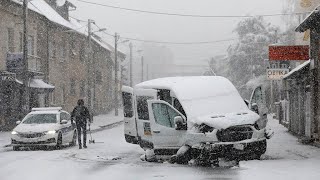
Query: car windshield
[{"x": 40, "y": 119}]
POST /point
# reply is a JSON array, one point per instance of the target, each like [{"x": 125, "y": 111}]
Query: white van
[{"x": 203, "y": 116}]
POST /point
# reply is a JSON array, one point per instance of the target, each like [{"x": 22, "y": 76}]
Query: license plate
[{"x": 238, "y": 146}]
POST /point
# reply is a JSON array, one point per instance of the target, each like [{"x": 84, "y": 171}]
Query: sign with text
[
  {"x": 276, "y": 74},
  {"x": 289, "y": 53}
]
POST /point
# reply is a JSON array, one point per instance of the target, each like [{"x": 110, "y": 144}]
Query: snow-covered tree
[{"x": 247, "y": 56}]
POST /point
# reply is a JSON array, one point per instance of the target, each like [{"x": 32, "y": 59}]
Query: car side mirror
[
  {"x": 179, "y": 123},
  {"x": 64, "y": 122},
  {"x": 18, "y": 122},
  {"x": 255, "y": 108}
]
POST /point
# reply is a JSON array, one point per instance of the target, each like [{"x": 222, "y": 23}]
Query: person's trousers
[{"x": 83, "y": 128}]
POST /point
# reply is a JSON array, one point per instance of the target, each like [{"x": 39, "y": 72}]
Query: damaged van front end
[{"x": 238, "y": 136}]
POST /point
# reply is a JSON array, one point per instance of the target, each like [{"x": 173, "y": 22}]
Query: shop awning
[
  {"x": 312, "y": 21},
  {"x": 38, "y": 83}
]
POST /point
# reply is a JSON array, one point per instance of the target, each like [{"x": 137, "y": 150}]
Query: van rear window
[
  {"x": 142, "y": 107},
  {"x": 127, "y": 104}
]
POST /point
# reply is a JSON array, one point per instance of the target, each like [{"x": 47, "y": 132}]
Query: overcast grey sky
[{"x": 180, "y": 29}]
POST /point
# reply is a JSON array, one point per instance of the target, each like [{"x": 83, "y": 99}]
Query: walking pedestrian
[{"x": 81, "y": 115}]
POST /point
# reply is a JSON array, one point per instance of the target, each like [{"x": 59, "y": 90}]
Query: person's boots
[
  {"x": 80, "y": 146},
  {"x": 85, "y": 146}
]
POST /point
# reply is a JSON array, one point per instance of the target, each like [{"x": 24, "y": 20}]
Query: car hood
[
  {"x": 223, "y": 121},
  {"x": 37, "y": 128}
]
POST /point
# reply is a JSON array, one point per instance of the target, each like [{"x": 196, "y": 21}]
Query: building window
[
  {"x": 31, "y": 45},
  {"x": 98, "y": 77},
  {"x": 20, "y": 41},
  {"x": 10, "y": 40},
  {"x": 63, "y": 95},
  {"x": 53, "y": 97},
  {"x": 82, "y": 52},
  {"x": 82, "y": 88},
  {"x": 63, "y": 51},
  {"x": 72, "y": 87},
  {"x": 52, "y": 49}
]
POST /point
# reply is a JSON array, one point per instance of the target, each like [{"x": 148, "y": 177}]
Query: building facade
[{"x": 62, "y": 66}]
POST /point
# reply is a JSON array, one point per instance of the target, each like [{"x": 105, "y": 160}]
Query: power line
[{"x": 187, "y": 15}]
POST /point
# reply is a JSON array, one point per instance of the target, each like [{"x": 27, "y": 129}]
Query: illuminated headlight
[
  {"x": 51, "y": 132},
  {"x": 14, "y": 133},
  {"x": 260, "y": 124}
]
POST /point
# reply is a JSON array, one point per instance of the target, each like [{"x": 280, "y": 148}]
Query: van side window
[
  {"x": 127, "y": 104},
  {"x": 178, "y": 106},
  {"x": 164, "y": 95},
  {"x": 164, "y": 114},
  {"x": 142, "y": 107}
]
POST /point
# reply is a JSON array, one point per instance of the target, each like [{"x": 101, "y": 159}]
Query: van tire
[
  {"x": 183, "y": 158},
  {"x": 16, "y": 148}
]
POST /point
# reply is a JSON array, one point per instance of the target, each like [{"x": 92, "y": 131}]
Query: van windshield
[{"x": 40, "y": 119}]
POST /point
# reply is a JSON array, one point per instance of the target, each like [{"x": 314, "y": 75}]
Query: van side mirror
[
  {"x": 179, "y": 123},
  {"x": 18, "y": 122},
  {"x": 64, "y": 122},
  {"x": 255, "y": 108}
]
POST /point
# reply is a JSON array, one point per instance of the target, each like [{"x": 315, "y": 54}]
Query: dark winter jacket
[{"x": 80, "y": 114}]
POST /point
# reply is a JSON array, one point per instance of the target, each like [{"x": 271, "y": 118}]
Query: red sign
[{"x": 287, "y": 53}]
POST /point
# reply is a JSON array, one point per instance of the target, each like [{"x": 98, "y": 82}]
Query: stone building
[{"x": 62, "y": 68}]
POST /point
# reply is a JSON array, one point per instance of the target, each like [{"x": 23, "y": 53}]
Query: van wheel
[
  {"x": 184, "y": 156},
  {"x": 16, "y": 148},
  {"x": 261, "y": 149},
  {"x": 74, "y": 139},
  {"x": 59, "y": 141}
]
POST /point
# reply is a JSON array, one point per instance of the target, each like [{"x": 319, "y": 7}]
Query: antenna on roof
[{"x": 60, "y": 2}]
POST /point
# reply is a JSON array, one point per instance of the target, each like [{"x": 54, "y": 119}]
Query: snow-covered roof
[
  {"x": 201, "y": 95},
  {"x": 44, "y": 9},
  {"x": 309, "y": 21},
  {"x": 38, "y": 83},
  {"x": 298, "y": 68}
]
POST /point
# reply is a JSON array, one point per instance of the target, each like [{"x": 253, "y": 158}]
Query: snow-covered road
[{"x": 112, "y": 158}]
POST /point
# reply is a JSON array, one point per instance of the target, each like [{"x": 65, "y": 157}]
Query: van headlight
[
  {"x": 260, "y": 124},
  {"x": 51, "y": 132},
  {"x": 14, "y": 133}
]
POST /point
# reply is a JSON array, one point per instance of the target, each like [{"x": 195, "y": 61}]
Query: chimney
[{"x": 62, "y": 10}]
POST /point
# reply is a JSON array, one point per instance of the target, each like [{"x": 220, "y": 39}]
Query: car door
[
  {"x": 130, "y": 126},
  {"x": 65, "y": 129},
  {"x": 142, "y": 115},
  {"x": 164, "y": 134}
]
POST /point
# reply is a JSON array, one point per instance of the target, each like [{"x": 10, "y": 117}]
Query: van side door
[
  {"x": 167, "y": 139},
  {"x": 130, "y": 126},
  {"x": 141, "y": 96}
]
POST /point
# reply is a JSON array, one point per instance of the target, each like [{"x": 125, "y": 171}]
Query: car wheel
[
  {"x": 16, "y": 148},
  {"x": 74, "y": 139},
  {"x": 59, "y": 141}
]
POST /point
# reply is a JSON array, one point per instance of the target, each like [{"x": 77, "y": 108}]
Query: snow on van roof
[{"x": 201, "y": 95}]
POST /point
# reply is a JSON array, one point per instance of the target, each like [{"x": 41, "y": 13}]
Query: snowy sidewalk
[{"x": 101, "y": 121}]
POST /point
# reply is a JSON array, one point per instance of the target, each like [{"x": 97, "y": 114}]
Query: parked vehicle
[
  {"x": 201, "y": 117},
  {"x": 44, "y": 127}
]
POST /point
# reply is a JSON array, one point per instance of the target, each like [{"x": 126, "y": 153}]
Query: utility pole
[
  {"x": 89, "y": 67},
  {"x": 130, "y": 46},
  {"x": 25, "y": 56},
  {"x": 142, "y": 64},
  {"x": 116, "y": 39}
]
